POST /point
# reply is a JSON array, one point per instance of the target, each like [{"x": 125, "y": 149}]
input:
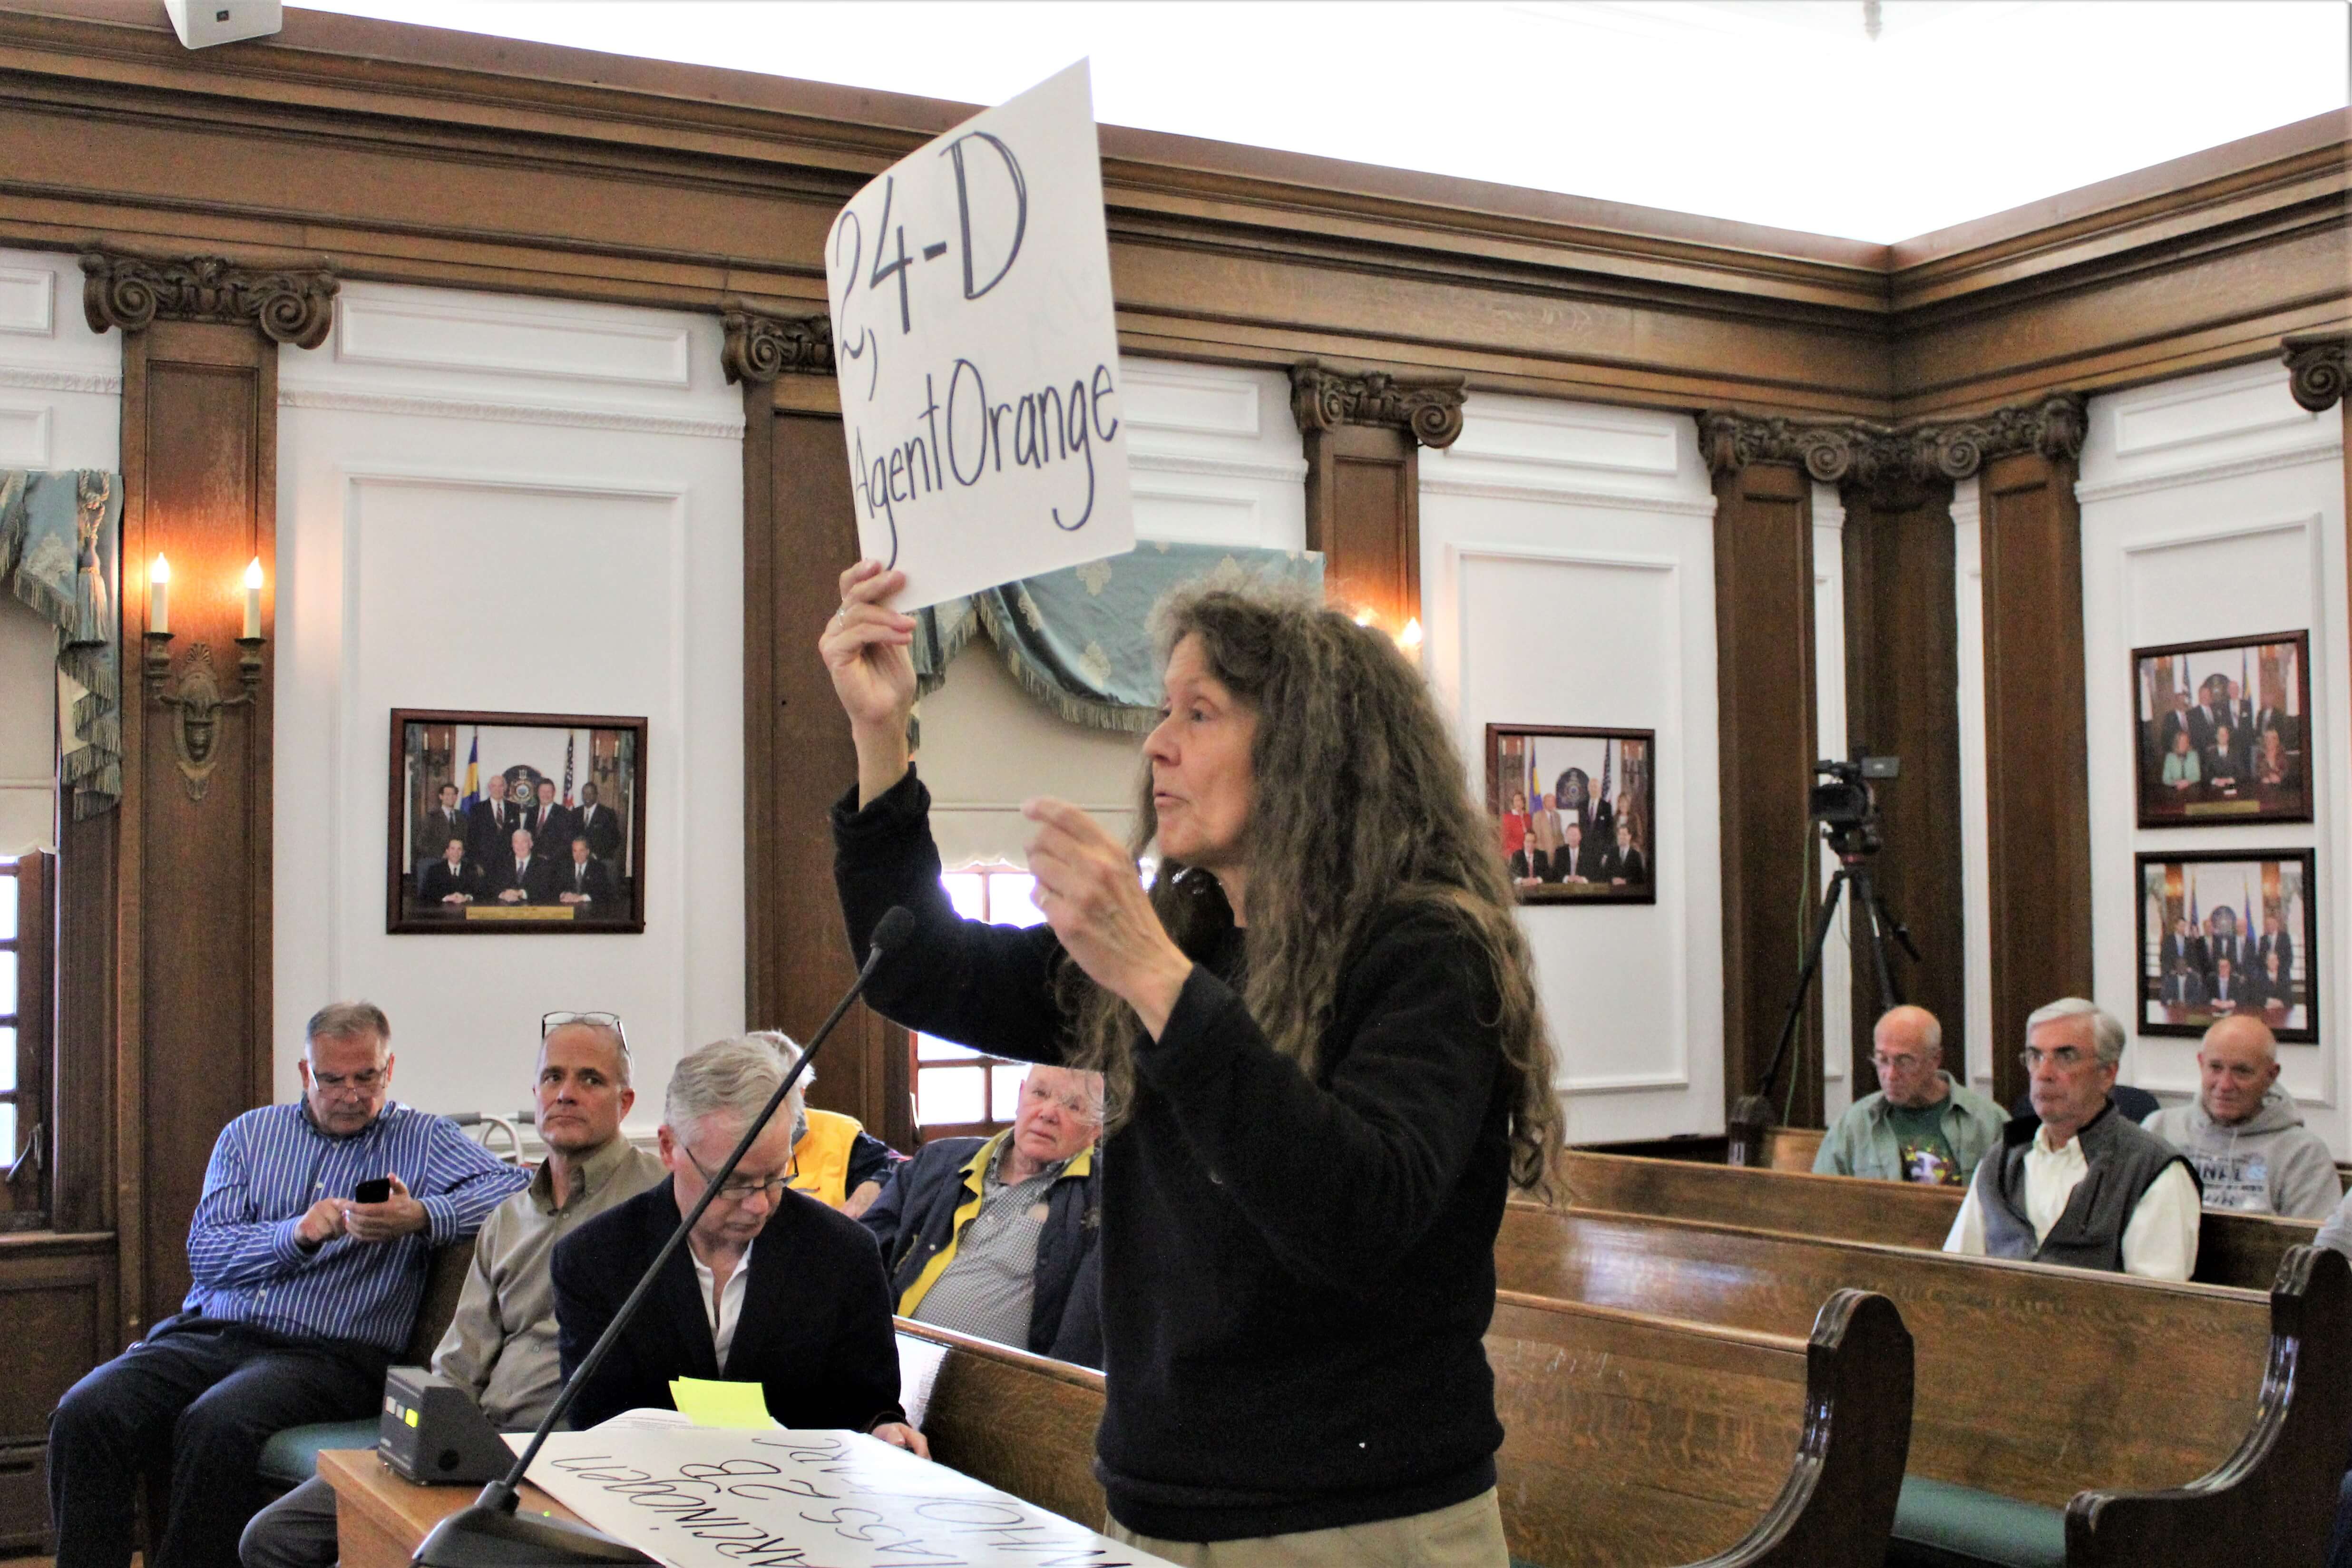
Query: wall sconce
[{"x": 195, "y": 694}]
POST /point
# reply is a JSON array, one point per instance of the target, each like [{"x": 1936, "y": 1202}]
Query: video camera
[{"x": 1845, "y": 806}]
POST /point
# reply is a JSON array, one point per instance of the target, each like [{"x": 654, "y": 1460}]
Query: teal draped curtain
[
  {"x": 61, "y": 545},
  {"x": 1078, "y": 640}
]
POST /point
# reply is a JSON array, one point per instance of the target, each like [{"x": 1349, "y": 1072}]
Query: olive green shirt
[{"x": 501, "y": 1343}]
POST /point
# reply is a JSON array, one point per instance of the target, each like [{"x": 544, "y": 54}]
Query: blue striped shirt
[{"x": 271, "y": 1164}]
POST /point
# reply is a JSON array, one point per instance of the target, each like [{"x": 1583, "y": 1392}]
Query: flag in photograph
[
  {"x": 474, "y": 773},
  {"x": 570, "y": 740}
]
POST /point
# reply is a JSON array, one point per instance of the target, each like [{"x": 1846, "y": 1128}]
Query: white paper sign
[
  {"x": 701, "y": 1497},
  {"x": 977, "y": 354}
]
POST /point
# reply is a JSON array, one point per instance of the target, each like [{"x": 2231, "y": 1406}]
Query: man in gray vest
[{"x": 2077, "y": 1183}]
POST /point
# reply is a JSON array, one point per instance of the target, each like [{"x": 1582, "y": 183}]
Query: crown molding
[
  {"x": 106, "y": 383},
  {"x": 287, "y": 305},
  {"x": 759, "y": 348},
  {"x": 1428, "y": 407},
  {"x": 2315, "y": 368}
]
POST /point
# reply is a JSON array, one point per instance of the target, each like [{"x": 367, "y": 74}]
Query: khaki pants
[{"x": 1469, "y": 1534}]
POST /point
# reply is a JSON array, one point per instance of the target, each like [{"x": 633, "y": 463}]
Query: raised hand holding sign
[{"x": 980, "y": 397}]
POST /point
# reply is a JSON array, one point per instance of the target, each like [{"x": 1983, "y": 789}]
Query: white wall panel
[
  {"x": 1975, "y": 812},
  {"x": 2213, "y": 507},
  {"x": 1835, "y": 981},
  {"x": 550, "y": 537},
  {"x": 1568, "y": 579}
]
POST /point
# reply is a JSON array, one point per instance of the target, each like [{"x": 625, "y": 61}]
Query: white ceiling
[{"x": 1771, "y": 111}]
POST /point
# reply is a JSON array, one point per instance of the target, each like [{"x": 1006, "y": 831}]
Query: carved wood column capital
[
  {"x": 2316, "y": 364},
  {"x": 1426, "y": 407},
  {"x": 759, "y": 348},
  {"x": 1883, "y": 461},
  {"x": 286, "y": 304}
]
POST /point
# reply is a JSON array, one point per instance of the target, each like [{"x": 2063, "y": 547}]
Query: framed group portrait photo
[
  {"x": 2227, "y": 932},
  {"x": 510, "y": 822},
  {"x": 2221, "y": 731},
  {"x": 1576, "y": 809}
]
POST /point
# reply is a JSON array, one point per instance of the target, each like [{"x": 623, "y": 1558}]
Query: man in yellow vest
[
  {"x": 996, "y": 1236},
  {"x": 834, "y": 1159}
]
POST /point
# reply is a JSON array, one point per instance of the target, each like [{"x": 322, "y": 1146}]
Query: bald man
[
  {"x": 2245, "y": 1135},
  {"x": 1921, "y": 1125}
]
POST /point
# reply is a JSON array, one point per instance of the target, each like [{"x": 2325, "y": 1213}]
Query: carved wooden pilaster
[
  {"x": 2315, "y": 366},
  {"x": 285, "y": 305},
  {"x": 201, "y": 341},
  {"x": 1364, "y": 431},
  {"x": 759, "y": 348}
]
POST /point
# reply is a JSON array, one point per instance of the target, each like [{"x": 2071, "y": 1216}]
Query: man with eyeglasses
[
  {"x": 302, "y": 1293},
  {"x": 1922, "y": 1125},
  {"x": 500, "y": 1345},
  {"x": 2078, "y": 1182},
  {"x": 996, "y": 1236},
  {"x": 771, "y": 1286}
]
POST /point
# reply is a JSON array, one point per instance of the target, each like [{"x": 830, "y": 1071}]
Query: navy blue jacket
[{"x": 915, "y": 1220}]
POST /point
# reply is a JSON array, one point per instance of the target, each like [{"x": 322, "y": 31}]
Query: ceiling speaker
[{"x": 203, "y": 22}]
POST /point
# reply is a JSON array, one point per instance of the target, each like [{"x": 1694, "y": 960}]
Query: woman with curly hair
[{"x": 1325, "y": 1067}]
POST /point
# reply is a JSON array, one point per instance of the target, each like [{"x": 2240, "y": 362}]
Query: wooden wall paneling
[
  {"x": 1902, "y": 669},
  {"x": 201, "y": 341},
  {"x": 2036, "y": 766},
  {"x": 57, "y": 1300},
  {"x": 800, "y": 530},
  {"x": 1764, "y": 697},
  {"x": 1362, "y": 436}
]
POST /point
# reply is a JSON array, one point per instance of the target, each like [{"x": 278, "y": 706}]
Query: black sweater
[{"x": 1298, "y": 1276}]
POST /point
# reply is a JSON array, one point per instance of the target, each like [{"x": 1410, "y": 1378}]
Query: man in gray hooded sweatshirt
[{"x": 2245, "y": 1135}]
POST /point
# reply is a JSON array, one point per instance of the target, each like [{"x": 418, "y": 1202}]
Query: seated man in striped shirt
[{"x": 301, "y": 1295}]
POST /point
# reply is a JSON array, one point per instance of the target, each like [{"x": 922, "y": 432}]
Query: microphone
[{"x": 488, "y": 1533}]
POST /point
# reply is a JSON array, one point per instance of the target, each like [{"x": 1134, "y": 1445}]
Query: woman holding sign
[{"x": 1326, "y": 1061}]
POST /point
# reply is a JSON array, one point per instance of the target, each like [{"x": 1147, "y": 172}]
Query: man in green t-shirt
[{"x": 1921, "y": 1125}]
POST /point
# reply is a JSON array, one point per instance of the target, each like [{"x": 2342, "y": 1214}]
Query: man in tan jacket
[{"x": 501, "y": 1343}]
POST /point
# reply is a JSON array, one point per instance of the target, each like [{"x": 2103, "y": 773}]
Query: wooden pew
[
  {"x": 1791, "y": 1148},
  {"x": 1631, "y": 1438},
  {"x": 2243, "y": 1249},
  {"x": 2113, "y": 1398}
]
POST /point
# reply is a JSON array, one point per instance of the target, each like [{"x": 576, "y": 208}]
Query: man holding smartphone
[{"x": 303, "y": 1291}]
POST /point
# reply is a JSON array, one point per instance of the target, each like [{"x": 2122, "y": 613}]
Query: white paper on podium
[
  {"x": 977, "y": 353},
  {"x": 705, "y": 1497}
]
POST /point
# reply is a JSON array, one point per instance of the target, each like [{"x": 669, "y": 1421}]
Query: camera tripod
[{"x": 1853, "y": 866}]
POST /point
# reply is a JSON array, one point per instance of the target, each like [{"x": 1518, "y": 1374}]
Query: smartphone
[{"x": 377, "y": 1190}]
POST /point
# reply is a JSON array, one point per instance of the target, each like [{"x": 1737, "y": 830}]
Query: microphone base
[{"x": 485, "y": 1536}]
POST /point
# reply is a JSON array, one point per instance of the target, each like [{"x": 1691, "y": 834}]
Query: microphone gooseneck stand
[{"x": 488, "y": 1533}]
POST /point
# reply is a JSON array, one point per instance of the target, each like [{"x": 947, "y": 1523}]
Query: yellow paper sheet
[{"x": 707, "y": 1402}]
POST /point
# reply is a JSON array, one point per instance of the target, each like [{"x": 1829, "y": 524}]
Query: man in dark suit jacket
[
  {"x": 2212, "y": 711},
  {"x": 448, "y": 880},
  {"x": 771, "y": 1287},
  {"x": 2224, "y": 760},
  {"x": 2273, "y": 940},
  {"x": 1529, "y": 864},
  {"x": 2175, "y": 721},
  {"x": 596, "y": 822},
  {"x": 2241, "y": 712},
  {"x": 549, "y": 820},
  {"x": 584, "y": 880},
  {"x": 2225, "y": 947},
  {"x": 1620, "y": 864},
  {"x": 521, "y": 876},
  {"x": 443, "y": 822},
  {"x": 489, "y": 827}
]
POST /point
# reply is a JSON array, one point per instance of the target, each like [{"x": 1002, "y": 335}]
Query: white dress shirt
[
  {"x": 2160, "y": 1241},
  {"x": 725, "y": 1306}
]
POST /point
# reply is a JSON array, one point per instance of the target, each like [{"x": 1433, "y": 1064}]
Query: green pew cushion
[
  {"x": 1939, "y": 1525},
  {"x": 292, "y": 1457}
]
